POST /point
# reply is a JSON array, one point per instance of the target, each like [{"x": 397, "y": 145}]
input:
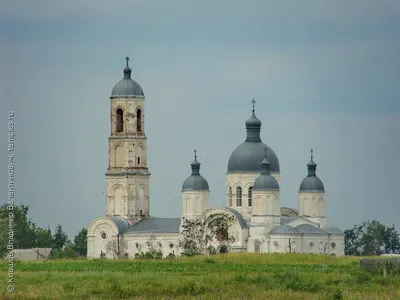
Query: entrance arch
[{"x": 223, "y": 249}]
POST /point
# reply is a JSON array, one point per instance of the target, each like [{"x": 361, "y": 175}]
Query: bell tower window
[
  {"x": 139, "y": 120},
  {"x": 138, "y": 160},
  {"x": 238, "y": 196},
  {"x": 250, "y": 195},
  {"x": 120, "y": 120}
]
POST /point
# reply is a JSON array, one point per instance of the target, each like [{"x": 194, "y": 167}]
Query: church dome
[
  {"x": 248, "y": 155},
  {"x": 127, "y": 86},
  {"x": 311, "y": 183},
  {"x": 265, "y": 181},
  {"x": 195, "y": 182}
]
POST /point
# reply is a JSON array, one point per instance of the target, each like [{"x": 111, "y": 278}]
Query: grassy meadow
[{"x": 229, "y": 276}]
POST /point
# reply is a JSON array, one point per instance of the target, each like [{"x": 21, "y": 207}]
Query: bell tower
[{"x": 127, "y": 174}]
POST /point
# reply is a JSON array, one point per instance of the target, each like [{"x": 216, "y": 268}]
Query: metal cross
[
  {"x": 127, "y": 60},
  {"x": 312, "y": 153},
  {"x": 195, "y": 152},
  {"x": 254, "y": 102}
]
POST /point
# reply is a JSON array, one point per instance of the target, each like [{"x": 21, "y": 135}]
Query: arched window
[
  {"x": 139, "y": 120},
  {"x": 238, "y": 196},
  {"x": 230, "y": 196},
  {"x": 250, "y": 195},
  {"x": 120, "y": 120},
  {"x": 257, "y": 247}
]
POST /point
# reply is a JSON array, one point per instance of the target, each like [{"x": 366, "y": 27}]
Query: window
[
  {"x": 276, "y": 244},
  {"x": 257, "y": 247},
  {"x": 171, "y": 245},
  {"x": 137, "y": 245},
  {"x": 159, "y": 245},
  {"x": 238, "y": 196},
  {"x": 250, "y": 195},
  {"x": 311, "y": 244},
  {"x": 120, "y": 120},
  {"x": 103, "y": 235},
  {"x": 333, "y": 245},
  {"x": 138, "y": 160},
  {"x": 230, "y": 196},
  {"x": 139, "y": 120}
]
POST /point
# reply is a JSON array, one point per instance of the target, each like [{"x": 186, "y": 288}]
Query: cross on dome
[{"x": 254, "y": 102}]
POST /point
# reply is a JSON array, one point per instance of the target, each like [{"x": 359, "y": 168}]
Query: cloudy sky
[{"x": 324, "y": 74}]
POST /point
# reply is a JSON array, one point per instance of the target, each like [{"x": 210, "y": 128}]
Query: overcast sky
[{"x": 324, "y": 74}]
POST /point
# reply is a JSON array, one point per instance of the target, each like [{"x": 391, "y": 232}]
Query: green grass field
[{"x": 230, "y": 276}]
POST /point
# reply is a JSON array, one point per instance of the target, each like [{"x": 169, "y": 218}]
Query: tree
[
  {"x": 44, "y": 238},
  {"x": 198, "y": 234},
  {"x": 371, "y": 238},
  {"x": 80, "y": 242},
  {"x": 16, "y": 223},
  {"x": 117, "y": 248},
  {"x": 59, "y": 238}
]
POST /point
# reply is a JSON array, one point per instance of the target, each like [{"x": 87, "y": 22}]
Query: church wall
[
  {"x": 312, "y": 243},
  {"x": 280, "y": 243},
  {"x": 244, "y": 180},
  {"x": 312, "y": 206},
  {"x": 194, "y": 203},
  {"x": 336, "y": 245},
  {"x": 101, "y": 232},
  {"x": 166, "y": 242}
]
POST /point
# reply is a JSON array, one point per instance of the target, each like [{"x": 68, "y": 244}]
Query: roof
[
  {"x": 239, "y": 217},
  {"x": 289, "y": 212},
  {"x": 127, "y": 86},
  {"x": 286, "y": 220},
  {"x": 332, "y": 230},
  {"x": 309, "y": 229},
  {"x": 32, "y": 254},
  {"x": 155, "y": 225},
  {"x": 121, "y": 224},
  {"x": 311, "y": 184},
  {"x": 247, "y": 157},
  {"x": 285, "y": 229}
]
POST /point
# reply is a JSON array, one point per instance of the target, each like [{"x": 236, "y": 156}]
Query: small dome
[
  {"x": 195, "y": 182},
  {"x": 285, "y": 229},
  {"x": 127, "y": 87},
  {"x": 311, "y": 183},
  {"x": 253, "y": 122},
  {"x": 265, "y": 181}
]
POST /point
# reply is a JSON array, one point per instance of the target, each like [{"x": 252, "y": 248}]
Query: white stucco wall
[{"x": 245, "y": 181}]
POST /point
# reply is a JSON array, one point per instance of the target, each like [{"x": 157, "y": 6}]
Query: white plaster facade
[{"x": 260, "y": 225}]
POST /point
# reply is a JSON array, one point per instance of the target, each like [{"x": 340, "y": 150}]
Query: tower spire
[
  {"x": 127, "y": 61},
  {"x": 254, "y": 102},
  {"x": 195, "y": 154}
]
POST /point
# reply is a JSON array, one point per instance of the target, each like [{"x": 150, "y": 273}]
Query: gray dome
[
  {"x": 285, "y": 229},
  {"x": 311, "y": 183},
  {"x": 248, "y": 156},
  {"x": 127, "y": 86},
  {"x": 195, "y": 182},
  {"x": 265, "y": 181}
]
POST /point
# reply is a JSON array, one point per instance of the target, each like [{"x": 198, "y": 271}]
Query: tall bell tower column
[{"x": 127, "y": 175}]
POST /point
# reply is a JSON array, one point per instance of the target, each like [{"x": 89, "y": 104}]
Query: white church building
[{"x": 260, "y": 224}]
